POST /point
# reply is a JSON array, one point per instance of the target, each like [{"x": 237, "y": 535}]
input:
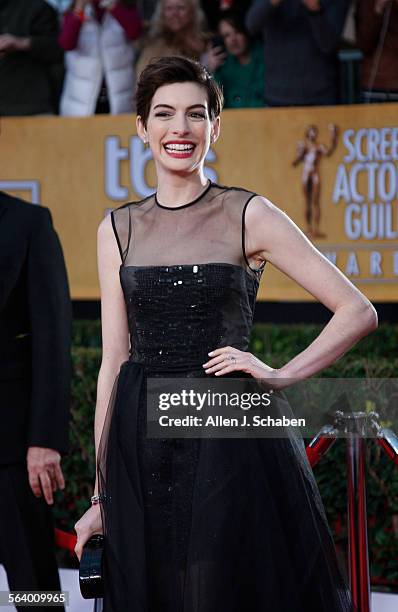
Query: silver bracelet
[{"x": 97, "y": 499}]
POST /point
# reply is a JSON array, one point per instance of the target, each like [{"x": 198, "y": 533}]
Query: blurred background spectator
[
  {"x": 97, "y": 36},
  {"x": 240, "y": 69},
  {"x": 177, "y": 27},
  {"x": 301, "y": 39},
  {"x": 377, "y": 37},
  {"x": 263, "y": 52},
  {"x": 28, "y": 48}
]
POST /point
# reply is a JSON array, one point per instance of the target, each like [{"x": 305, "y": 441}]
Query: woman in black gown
[{"x": 194, "y": 524}]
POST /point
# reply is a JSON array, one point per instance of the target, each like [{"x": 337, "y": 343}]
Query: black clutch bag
[{"x": 90, "y": 571}]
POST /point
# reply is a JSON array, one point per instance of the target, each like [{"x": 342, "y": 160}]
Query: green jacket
[{"x": 243, "y": 86}]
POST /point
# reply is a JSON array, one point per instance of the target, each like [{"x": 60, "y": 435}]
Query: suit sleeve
[{"x": 50, "y": 320}]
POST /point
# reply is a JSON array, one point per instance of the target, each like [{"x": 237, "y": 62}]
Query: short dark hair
[
  {"x": 175, "y": 69},
  {"x": 235, "y": 19}
]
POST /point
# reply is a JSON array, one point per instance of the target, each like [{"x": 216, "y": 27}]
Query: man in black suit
[{"x": 35, "y": 330}]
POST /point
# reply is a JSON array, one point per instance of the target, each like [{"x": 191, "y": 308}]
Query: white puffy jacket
[{"x": 102, "y": 50}]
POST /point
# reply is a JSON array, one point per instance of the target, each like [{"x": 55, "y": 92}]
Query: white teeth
[{"x": 179, "y": 147}]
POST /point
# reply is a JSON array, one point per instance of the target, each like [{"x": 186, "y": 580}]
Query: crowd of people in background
[{"x": 82, "y": 57}]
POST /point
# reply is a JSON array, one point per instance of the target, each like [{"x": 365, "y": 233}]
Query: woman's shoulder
[
  {"x": 260, "y": 206},
  {"x": 133, "y": 205},
  {"x": 232, "y": 191},
  {"x": 122, "y": 215},
  {"x": 233, "y": 199}
]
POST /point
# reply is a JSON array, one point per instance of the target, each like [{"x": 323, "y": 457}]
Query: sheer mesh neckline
[
  {"x": 184, "y": 205},
  {"x": 210, "y": 232}
]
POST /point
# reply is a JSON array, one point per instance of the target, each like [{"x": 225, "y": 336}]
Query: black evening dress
[{"x": 201, "y": 525}]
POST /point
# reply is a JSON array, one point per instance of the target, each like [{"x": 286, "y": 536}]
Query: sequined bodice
[
  {"x": 177, "y": 314},
  {"x": 187, "y": 283}
]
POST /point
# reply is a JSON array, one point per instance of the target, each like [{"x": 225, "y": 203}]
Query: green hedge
[{"x": 375, "y": 356}]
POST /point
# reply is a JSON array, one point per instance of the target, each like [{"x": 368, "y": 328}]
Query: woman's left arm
[{"x": 271, "y": 235}]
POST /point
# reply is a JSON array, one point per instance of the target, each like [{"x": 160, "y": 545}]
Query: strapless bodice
[{"x": 178, "y": 313}]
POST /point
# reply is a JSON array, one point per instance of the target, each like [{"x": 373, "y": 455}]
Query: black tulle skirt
[{"x": 210, "y": 525}]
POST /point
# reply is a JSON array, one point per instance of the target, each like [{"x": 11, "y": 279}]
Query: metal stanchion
[
  {"x": 358, "y": 560},
  {"x": 355, "y": 427}
]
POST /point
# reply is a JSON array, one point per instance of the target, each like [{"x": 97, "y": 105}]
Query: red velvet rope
[
  {"x": 313, "y": 456},
  {"x": 63, "y": 539}
]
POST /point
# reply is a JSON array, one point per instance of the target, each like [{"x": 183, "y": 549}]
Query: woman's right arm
[
  {"x": 115, "y": 350},
  {"x": 115, "y": 334}
]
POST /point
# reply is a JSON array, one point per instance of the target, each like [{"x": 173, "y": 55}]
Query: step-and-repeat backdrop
[{"x": 337, "y": 166}]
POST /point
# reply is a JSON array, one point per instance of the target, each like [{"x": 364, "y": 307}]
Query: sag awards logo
[{"x": 365, "y": 183}]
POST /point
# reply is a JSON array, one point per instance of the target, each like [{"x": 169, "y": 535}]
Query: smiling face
[
  {"x": 179, "y": 129},
  {"x": 177, "y": 15}
]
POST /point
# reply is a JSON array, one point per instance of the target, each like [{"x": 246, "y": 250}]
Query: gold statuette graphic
[{"x": 310, "y": 152}]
